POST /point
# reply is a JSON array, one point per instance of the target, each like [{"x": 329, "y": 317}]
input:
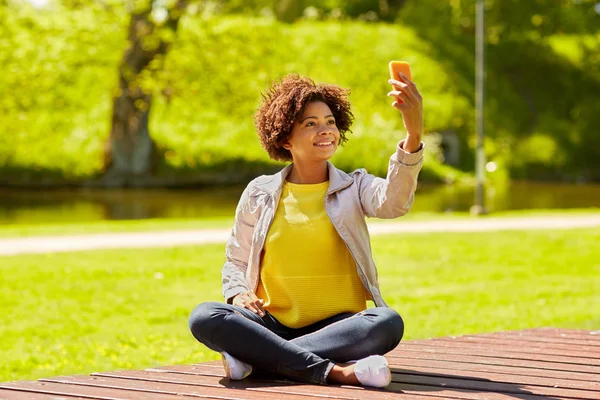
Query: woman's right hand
[{"x": 249, "y": 301}]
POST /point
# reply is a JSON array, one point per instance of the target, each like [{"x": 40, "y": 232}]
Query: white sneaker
[
  {"x": 234, "y": 368},
  {"x": 373, "y": 371}
]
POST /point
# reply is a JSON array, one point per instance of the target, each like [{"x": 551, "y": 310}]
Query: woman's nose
[{"x": 324, "y": 130}]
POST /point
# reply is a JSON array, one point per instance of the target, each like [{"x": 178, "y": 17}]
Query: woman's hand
[
  {"x": 248, "y": 300},
  {"x": 410, "y": 103}
]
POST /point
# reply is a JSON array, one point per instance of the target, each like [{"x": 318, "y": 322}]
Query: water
[{"x": 68, "y": 206}]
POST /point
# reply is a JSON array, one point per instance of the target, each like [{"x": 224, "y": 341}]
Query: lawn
[
  {"x": 76, "y": 313},
  {"x": 115, "y": 226}
]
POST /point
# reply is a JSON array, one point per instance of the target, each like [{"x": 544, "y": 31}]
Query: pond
[{"x": 66, "y": 206}]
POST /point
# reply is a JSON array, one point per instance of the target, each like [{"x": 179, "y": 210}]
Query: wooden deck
[{"x": 542, "y": 363}]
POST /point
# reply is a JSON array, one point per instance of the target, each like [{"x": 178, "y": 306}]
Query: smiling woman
[
  {"x": 313, "y": 139},
  {"x": 299, "y": 268},
  {"x": 288, "y": 106}
]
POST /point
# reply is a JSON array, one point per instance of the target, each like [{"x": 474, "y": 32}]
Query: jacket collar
[{"x": 337, "y": 180}]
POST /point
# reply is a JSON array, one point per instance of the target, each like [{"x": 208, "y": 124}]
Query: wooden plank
[
  {"x": 505, "y": 377},
  {"x": 512, "y": 342},
  {"x": 479, "y": 375},
  {"x": 528, "y": 364},
  {"x": 505, "y": 353},
  {"x": 218, "y": 363},
  {"x": 541, "y": 339},
  {"x": 229, "y": 393},
  {"x": 491, "y": 386},
  {"x": 443, "y": 366},
  {"x": 557, "y": 332},
  {"x": 435, "y": 362},
  {"x": 573, "y": 340},
  {"x": 6, "y": 394},
  {"x": 197, "y": 378},
  {"x": 493, "y": 344},
  {"x": 405, "y": 389},
  {"x": 462, "y": 394},
  {"x": 401, "y": 354},
  {"x": 87, "y": 392}
]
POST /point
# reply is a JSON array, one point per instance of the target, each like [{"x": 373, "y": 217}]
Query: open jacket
[{"x": 350, "y": 198}]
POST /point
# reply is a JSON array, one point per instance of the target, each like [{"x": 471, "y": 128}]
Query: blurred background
[{"x": 126, "y": 109}]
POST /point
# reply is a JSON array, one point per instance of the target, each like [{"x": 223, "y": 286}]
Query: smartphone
[
  {"x": 395, "y": 68},
  {"x": 399, "y": 66}
]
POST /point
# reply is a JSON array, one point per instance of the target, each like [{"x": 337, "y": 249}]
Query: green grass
[
  {"x": 149, "y": 225},
  {"x": 75, "y": 313},
  {"x": 114, "y": 226}
]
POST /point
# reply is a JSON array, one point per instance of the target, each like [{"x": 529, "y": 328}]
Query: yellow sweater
[{"x": 307, "y": 273}]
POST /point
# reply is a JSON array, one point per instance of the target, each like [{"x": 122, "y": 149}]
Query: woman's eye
[
  {"x": 331, "y": 121},
  {"x": 310, "y": 124}
]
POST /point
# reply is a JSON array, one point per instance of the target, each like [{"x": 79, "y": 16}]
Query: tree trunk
[
  {"x": 130, "y": 151},
  {"x": 288, "y": 10}
]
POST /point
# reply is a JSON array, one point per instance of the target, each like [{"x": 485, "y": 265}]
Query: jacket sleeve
[
  {"x": 393, "y": 196},
  {"x": 237, "y": 250}
]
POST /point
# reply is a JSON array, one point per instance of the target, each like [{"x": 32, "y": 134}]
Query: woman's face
[{"x": 315, "y": 136}]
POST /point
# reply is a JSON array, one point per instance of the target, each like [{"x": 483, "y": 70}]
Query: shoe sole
[{"x": 226, "y": 367}]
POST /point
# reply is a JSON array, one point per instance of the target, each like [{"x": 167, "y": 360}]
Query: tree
[
  {"x": 151, "y": 30},
  {"x": 515, "y": 19}
]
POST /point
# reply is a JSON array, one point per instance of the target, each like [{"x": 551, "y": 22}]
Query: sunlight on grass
[{"x": 76, "y": 313}]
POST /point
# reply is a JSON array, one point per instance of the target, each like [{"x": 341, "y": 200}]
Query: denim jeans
[{"x": 307, "y": 354}]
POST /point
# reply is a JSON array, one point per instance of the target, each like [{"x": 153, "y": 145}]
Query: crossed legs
[{"x": 312, "y": 354}]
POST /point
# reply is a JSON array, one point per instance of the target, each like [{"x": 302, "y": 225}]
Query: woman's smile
[{"x": 324, "y": 145}]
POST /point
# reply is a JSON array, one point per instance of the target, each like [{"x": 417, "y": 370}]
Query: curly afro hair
[{"x": 283, "y": 104}]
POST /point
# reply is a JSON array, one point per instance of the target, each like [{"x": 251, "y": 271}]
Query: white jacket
[{"x": 349, "y": 199}]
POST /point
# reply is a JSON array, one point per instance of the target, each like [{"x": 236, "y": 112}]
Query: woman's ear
[{"x": 286, "y": 146}]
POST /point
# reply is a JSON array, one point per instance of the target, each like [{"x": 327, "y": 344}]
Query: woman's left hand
[{"x": 410, "y": 103}]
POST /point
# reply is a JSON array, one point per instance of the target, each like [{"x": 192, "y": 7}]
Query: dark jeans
[{"x": 306, "y": 354}]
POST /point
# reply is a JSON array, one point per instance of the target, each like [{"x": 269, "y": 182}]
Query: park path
[{"x": 52, "y": 244}]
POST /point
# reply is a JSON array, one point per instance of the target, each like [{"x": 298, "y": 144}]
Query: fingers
[
  {"x": 403, "y": 78},
  {"x": 258, "y": 304},
  {"x": 250, "y": 302},
  {"x": 402, "y": 90},
  {"x": 399, "y": 106},
  {"x": 412, "y": 86},
  {"x": 406, "y": 85},
  {"x": 405, "y": 92},
  {"x": 401, "y": 96},
  {"x": 250, "y": 305}
]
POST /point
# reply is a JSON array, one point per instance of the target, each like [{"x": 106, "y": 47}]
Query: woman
[{"x": 298, "y": 267}]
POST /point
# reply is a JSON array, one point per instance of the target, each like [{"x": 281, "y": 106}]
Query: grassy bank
[{"x": 83, "y": 312}]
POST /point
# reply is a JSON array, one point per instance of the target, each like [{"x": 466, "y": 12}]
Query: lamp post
[{"x": 479, "y": 208}]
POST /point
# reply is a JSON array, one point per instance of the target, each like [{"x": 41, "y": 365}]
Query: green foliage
[
  {"x": 213, "y": 79},
  {"x": 539, "y": 81},
  {"x": 56, "y": 106},
  {"x": 56, "y": 92},
  {"x": 77, "y": 313},
  {"x": 515, "y": 19},
  {"x": 244, "y": 71},
  {"x": 293, "y": 10}
]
